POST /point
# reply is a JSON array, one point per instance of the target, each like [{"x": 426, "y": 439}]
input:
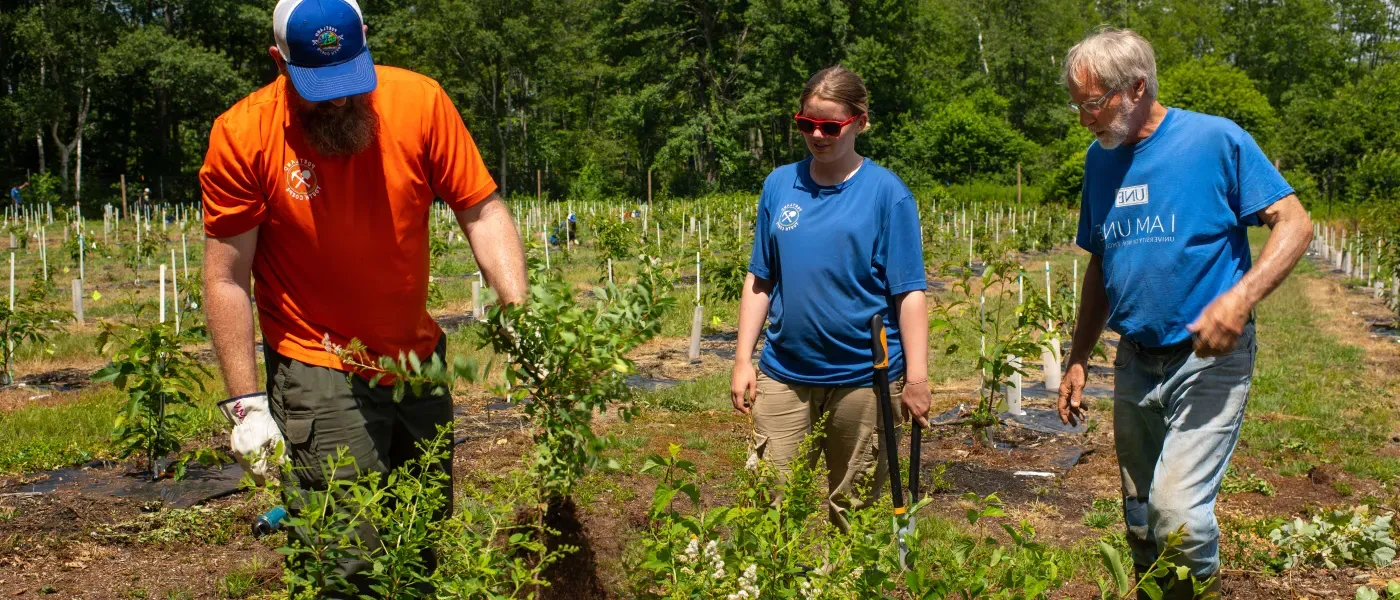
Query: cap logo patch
[{"x": 328, "y": 40}]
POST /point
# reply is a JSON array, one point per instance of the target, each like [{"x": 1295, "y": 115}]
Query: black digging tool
[{"x": 903, "y": 523}]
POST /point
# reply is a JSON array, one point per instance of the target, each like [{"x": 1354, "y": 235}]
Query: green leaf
[
  {"x": 661, "y": 500},
  {"x": 107, "y": 373},
  {"x": 1113, "y": 562},
  {"x": 1383, "y": 556},
  {"x": 1149, "y": 586}
]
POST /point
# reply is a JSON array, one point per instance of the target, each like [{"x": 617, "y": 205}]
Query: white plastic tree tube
[
  {"x": 1013, "y": 389},
  {"x": 162, "y": 292},
  {"x": 1050, "y": 356}
]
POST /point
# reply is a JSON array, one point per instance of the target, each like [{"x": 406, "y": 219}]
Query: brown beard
[{"x": 337, "y": 130}]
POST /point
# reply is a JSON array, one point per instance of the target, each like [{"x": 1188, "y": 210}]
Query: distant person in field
[
  {"x": 319, "y": 186},
  {"x": 14, "y": 193},
  {"x": 1168, "y": 196},
  {"x": 837, "y": 242}
]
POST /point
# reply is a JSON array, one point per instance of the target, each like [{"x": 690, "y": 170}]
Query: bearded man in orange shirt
[{"x": 320, "y": 187}]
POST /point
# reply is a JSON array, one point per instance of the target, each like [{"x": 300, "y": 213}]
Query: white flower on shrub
[
  {"x": 708, "y": 564},
  {"x": 712, "y": 556},
  {"x": 748, "y": 585}
]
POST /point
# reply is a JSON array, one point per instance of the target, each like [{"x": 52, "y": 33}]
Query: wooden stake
[
  {"x": 123, "y": 179},
  {"x": 697, "y": 278},
  {"x": 175, "y": 292},
  {"x": 1018, "y": 184},
  {"x": 1074, "y": 308}
]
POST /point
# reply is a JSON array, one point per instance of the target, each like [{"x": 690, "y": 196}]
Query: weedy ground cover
[{"x": 1316, "y": 404}]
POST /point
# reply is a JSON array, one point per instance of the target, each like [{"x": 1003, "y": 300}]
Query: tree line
[{"x": 590, "y": 98}]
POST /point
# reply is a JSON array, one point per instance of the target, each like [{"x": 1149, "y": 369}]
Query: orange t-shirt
[{"x": 342, "y": 249}]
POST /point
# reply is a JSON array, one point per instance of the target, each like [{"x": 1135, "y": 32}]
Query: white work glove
[{"x": 256, "y": 439}]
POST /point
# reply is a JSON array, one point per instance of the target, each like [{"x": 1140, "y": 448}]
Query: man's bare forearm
[
  {"x": 230, "y": 314},
  {"x": 1292, "y": 230},
  {"x": 753, "y": 309},
  {"x": 496, "y": 245},
  {"x": 228, "y": 264},
  {"x": 1093, "y": 314}
]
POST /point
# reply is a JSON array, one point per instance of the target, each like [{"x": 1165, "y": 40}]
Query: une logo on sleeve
[{"x": 1131, "y": 196}]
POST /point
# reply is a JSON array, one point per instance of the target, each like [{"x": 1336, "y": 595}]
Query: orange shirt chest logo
[{"x": 300, "y": 179}]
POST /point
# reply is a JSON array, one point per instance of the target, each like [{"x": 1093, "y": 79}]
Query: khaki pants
[{"x": 784, "y": 414}]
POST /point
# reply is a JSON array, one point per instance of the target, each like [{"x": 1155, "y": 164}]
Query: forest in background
[{"x": 594, "y": 94}]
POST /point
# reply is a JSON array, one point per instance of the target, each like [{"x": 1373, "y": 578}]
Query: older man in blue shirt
[{"x": 1168, "y": 195}]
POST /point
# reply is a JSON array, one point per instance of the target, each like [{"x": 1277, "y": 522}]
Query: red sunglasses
[{"x": 833, "y": 129}]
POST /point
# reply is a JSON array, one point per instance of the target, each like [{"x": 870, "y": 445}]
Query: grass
[
  {"x": 1331, "y": 410},
  {"x": 1235, "y": 483},
  {"x": 1104, "y": 513},
  {"x": 710, "y": 392},
  {"x": 243, "y": 581},
  {"x": 39, "y": 438}
]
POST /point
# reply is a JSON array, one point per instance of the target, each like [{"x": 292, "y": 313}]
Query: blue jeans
[{"x": 1176, "y": 420}]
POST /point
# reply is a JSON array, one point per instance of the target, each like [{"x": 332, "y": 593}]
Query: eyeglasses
[
  {"x": 833, "y": 129},
  {"x": 1093, "y": 106}
]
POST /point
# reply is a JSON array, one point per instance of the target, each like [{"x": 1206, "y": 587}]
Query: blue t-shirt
[
  {"x": 1168, "y": 215},
  {"x": 14, "y": 194},
  {"x": 837, "y": 255}
]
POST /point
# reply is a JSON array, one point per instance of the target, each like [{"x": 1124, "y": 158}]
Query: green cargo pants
[{"x": 320, "y": 411}]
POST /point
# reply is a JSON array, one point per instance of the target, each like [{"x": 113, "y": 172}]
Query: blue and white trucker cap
[{"x": 323, "y": 42}]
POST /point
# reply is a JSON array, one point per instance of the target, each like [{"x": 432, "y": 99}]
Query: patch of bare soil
[
  {"x": 47, "y": 383},
  {"x": 575, "y": 576},
  {"x": 15, "y": 397},
  {"x": 667, "y": 358},
  {"x": 48, "y": 546}
]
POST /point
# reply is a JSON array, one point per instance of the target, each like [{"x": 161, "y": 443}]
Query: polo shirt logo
[
  {"x": 1131, "y": 196},
  {"x": 787, "y": 218},
  {"x": 301, "y": 179}
]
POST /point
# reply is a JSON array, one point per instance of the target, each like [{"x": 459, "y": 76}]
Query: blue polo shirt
[
  {"x": 1168, "y": 216},
  {"x": 837, "y": 256},
  {"x": 14, "y": 195}
]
